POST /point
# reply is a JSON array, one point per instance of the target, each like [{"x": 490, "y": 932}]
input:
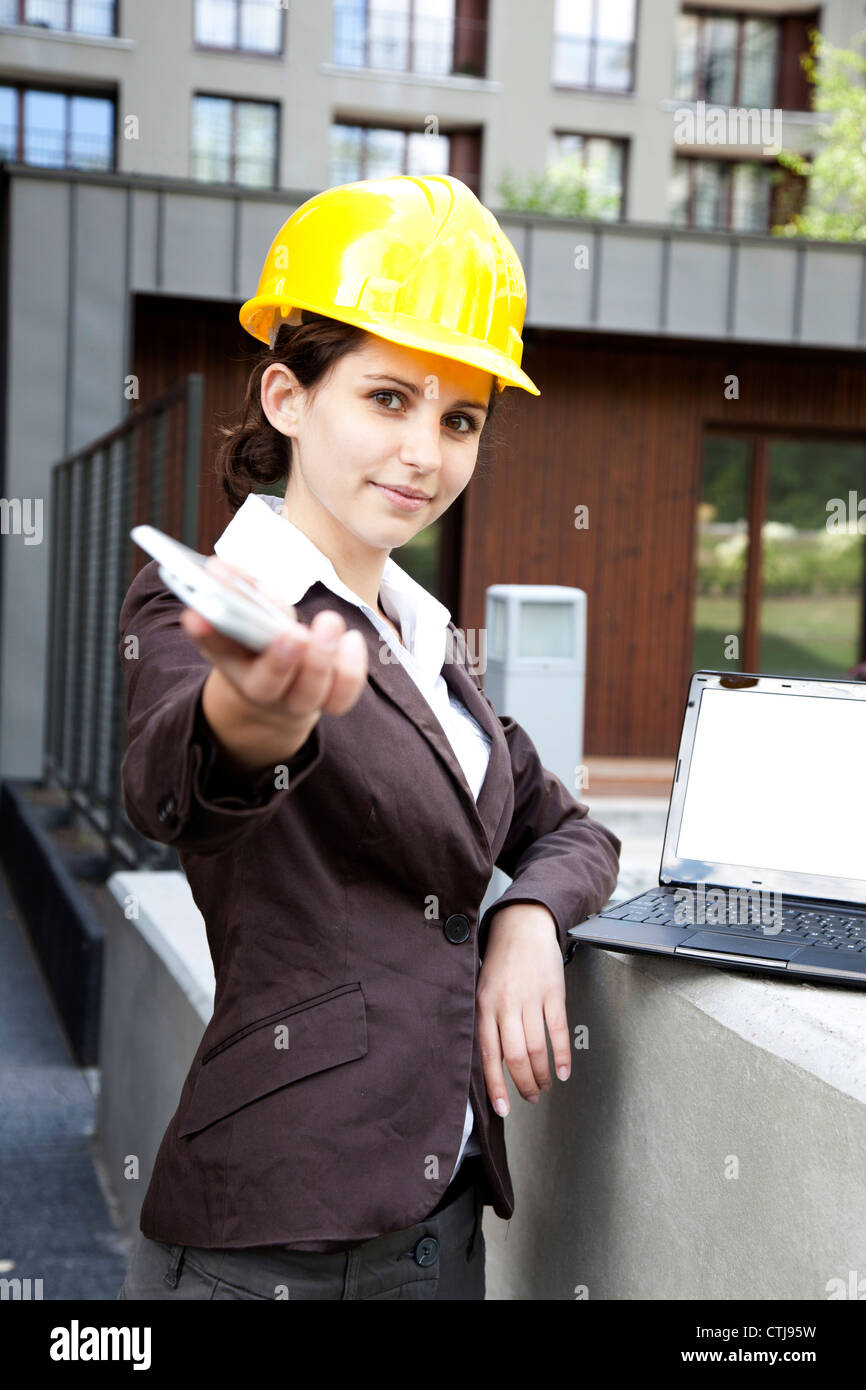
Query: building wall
[
  {"x": 619, "y": 427},
  {"x": 155, "y": 69},
  {"x": 76, "y": 250}
]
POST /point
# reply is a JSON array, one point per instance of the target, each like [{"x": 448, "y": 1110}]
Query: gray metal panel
[
  {"x": 98, "y": 348},
  {"x": 766, "y": 281},
  {"x": 631, "y": 278},
  {"x": 516, "y": 233},
  {"x": 259, "y": 224},
  {"x": 560, "y": 294},
  {"x": 145, "y": 212},
  {"x": 698, "y": 289},
  {"x": 197, "y": 245},
  {"x": 38, "y": 290},
  {"x": 831, "y": 296},
  {"x": 36, "y": 410}
]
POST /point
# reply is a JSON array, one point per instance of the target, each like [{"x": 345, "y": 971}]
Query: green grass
[{"x": 808, "y": 636}]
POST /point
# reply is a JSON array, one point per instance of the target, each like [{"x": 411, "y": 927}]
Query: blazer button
[
  {"x": 457, "y": 927},
  {"x": 165, "y": 809},
  {"x": 426, "y": 1252}
]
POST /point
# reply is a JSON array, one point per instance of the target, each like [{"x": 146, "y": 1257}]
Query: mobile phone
[{"x": 234, "y": 607}]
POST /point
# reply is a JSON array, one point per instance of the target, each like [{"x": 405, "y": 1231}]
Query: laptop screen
[{"x": 772, "y": 788}]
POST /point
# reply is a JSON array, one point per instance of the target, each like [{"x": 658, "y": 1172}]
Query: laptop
[{"x": 764, "y": 860}]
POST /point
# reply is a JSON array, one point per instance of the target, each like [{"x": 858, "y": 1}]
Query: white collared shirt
[{"x": 285, "y": 561}]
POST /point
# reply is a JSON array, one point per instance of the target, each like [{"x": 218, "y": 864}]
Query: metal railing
[
  {"x": 144, "y": 470},
  {"x": 56, "y": 148}
]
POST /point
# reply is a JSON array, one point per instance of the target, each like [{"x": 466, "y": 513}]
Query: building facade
[{"x": 702, "y": 382}]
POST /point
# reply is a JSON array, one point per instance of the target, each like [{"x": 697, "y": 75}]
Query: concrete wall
[{"x": 708, "y": 1144}]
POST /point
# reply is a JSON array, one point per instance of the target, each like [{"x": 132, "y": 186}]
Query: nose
[{"x": 421, "y": 446}]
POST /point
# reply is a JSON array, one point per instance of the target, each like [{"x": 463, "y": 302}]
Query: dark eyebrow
[{"x": 410, "y": 386}]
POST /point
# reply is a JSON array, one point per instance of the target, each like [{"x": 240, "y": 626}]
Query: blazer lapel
[{"x": 393, "y": 681}]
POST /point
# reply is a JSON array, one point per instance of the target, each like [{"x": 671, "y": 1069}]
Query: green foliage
[
  {"x": 805, "y": 474},
  {"x": 810, "y": 563},
  {"x": 835, "y": 208},
  {"x": 566, "y": 189}
]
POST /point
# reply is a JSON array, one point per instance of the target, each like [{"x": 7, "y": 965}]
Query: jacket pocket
[{"x": 319, "y": 1033}]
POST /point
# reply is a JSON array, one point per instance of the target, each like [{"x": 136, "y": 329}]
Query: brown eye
[{"x": 387, "y": 393}]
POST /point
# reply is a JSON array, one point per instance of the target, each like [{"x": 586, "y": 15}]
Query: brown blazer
[{"x": 326, "y": 1101}]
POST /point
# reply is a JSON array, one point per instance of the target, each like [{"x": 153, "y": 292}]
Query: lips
[
  {"x": 406, "y": 500},
  {"x": 404, "y": 491}
]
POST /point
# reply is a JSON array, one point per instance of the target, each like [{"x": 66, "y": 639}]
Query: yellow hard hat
[{"x": 419, "y": 261}]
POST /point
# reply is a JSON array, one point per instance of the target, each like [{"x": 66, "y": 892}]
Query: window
[
  {"x": 593, "y": 44},
  {"x": 56, "y": 129},
  {"x": 251, "y": 26},
  {"x": 721, "y": 193},
  {"x": 603, "y": 160},
  {"x": 72, "y": 16},
  {"x": 727, "y": 60},
  {"x": 770, "y": 570},
  {"x": 234, "y": 141},
  {"x": 421, "y": 36},
  {"x": 368, "y": 152}
]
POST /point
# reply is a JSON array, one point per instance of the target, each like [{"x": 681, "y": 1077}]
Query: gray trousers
[{"x": 441, "y": 1257}]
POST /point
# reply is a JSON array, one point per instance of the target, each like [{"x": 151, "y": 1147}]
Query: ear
[{"x": 282, "y": 398}]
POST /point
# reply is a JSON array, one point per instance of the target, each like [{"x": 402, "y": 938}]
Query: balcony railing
[
  {"x": 254, "y": 171},
  {"x": 52, "y": 148},
  {"x": 144, "y": 470}
]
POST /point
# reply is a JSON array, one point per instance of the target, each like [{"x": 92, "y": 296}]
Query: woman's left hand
[{"x": 521, "y": 986}]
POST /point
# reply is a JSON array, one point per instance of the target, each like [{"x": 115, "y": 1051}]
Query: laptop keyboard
[{"x": 801, "y": 926}]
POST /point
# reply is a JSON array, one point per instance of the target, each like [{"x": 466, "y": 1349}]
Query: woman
[{"x": 338, "y": 801}]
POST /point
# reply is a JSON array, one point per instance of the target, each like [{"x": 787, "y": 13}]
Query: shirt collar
[{"x": 283, "y": 559}]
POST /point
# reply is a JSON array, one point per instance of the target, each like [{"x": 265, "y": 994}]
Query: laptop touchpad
[{"x": 732, "y": 947}]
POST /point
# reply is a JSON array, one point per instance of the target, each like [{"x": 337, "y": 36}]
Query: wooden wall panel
[
  {"x": 619, "y": 427},
  {"x": 174, "y": 337}
]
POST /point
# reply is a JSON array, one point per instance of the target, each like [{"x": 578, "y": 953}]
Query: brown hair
[{"x": 252, "y": 455}]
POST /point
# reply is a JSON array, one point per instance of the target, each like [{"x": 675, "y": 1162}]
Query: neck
[{"x": 358, "y": 565}]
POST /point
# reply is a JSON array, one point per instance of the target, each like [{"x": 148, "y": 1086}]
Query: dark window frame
[
  {"x": 630, "y": 90},
  {"x": 692, "y": 159},
  {"x": 625, "y": 142},
  {"x": 236, "y": 47},
  {"x": 741, "y": 16},
  {"x": 406, "y": 131},
  {"x": 246, "y": 101},
  {"x": 483, "y": 28},
  {"x": 22, "y": 21},
  {"x": 759, "y": 438},
  {"x": 67, "y": 91}
]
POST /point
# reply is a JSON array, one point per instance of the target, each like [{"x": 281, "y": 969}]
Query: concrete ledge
[
  {"x": 170, "y": 922},
  {"x": 157, "y": 998}
]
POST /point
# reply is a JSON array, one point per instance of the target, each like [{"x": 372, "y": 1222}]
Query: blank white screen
[{"x": 778, "y": 782}]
